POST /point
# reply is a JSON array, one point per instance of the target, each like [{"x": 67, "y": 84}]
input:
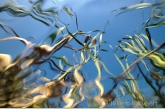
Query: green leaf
[
  {"x": 73, "y": 36},
  {"x": 119, "y": 61},
  {"x": 54, "y": 35},
  {"x": 130, "y": 50},
  {"x": 68, "y": 10},
  {"x": 64, "y": 59},
  {"x": 155, "y": 25}
]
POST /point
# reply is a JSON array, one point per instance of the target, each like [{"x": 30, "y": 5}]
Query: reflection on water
[{"x": 56, "y": 54}]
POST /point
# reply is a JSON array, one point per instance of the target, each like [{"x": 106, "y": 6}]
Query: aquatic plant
[{"x": 22, "y": 84}]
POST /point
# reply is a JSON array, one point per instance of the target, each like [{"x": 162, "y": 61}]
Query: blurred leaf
[
  {"x": 76, "y": 20},
  {"x": 32, "y": 78},
  {"x": 21, "y": 102},
  {"x": 123, "y": 57},
  {"x": 141, "y": 43},
  {"x": 103, "y": 50},
  {"x": 43, "y": 90},
  {"x": 118, "y": 101},
  {"x": 68, "y": 100},
  {"x": 54, "y": 35},
  {"x": 39, "y": 98},
  {"x": 44, "y": 79},
  {"x": 75, "y": 94},
  {"x": 139, "y": 59},
  {"x": 135, "y": 88},
  {"x": 149, "y": 38},
  {"x": 3, "y": 26},
  {"x": 119, "y": 62},
  {"x": 97, "y": 81},
  {"x": 145, "y": 65},
  {"x": 64, "y": 59},
  {"x": 157, "y": 61},
  {"x": 3, "y": 103},
  {"x": 24, "y": 73},
  {"x": 79, "y": 79},
  {"x": 139, "y": 6},
  {"x": 155, "y": 25},
  {"x": 74, "y": 37},
  {"x": 60, "y": 65},
  {"x": 68, "y": 10},
  {"x": 17, "y": 10},
  {"x": 129, "y": 50},
  {"x": 106, "y": 69}
]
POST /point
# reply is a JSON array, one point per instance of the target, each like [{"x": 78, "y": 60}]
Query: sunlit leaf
[
  {"x": 44, "y": 79},
  {"x": 21, "y": 102},
  {"x": 98, "y": 78},
  {"x": 78, "y": 77},
  {"x": 5, "y": 60},
  {"x": 129, "y": 50},
  {"x": 68, "y": 100}
]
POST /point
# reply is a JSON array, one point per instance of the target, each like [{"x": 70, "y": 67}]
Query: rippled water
[{"x": 68, "y": 53}]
